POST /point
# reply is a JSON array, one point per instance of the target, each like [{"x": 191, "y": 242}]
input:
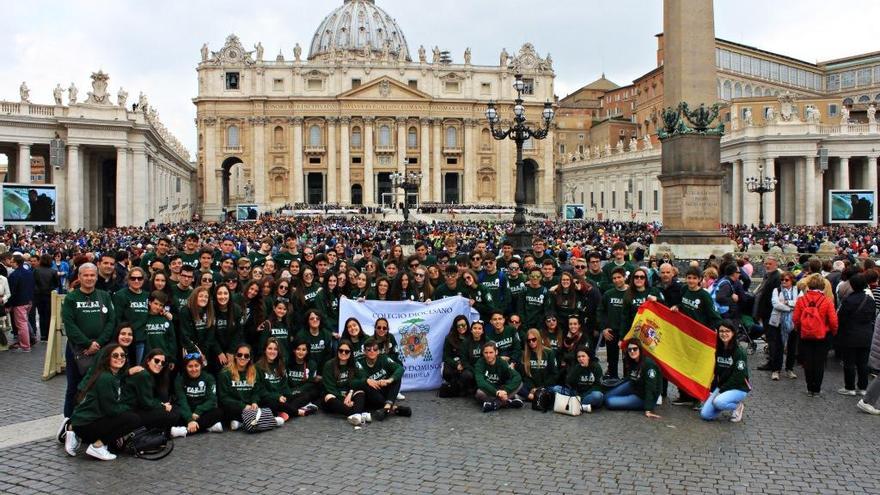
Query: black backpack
[{"x": 151, "y": 444}]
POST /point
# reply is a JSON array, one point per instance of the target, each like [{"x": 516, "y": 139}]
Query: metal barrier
[{"x": 54, "y": 361}]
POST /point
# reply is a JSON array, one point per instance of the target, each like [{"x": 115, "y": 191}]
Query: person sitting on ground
[
  {"x": 196, "y": 393},
  {"x": 497, "y": 382},
  {"x": 149, "y": 395},
  {"x": 584, "y": 379},
  {"x": 538, "y": 367},
  {"x": 343, "y": 382},
  {"x": 383, "y": 377},
  {"x": 641, "y": 385},
  {"x": 302, "y": 380},
  {"x": 239, "y": 387},
  {"x": 730, "y": 384}
]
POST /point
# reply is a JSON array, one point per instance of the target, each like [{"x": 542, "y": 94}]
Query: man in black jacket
[
  {"x": 45, "y": 281},
  {"x": 764, "y": 296}
]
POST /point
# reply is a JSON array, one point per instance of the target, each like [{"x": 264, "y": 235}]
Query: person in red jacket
[{"x": 814, "y": 319}]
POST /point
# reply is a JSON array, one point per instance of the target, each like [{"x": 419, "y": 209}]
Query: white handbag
[{"x": 567, "y": 404}]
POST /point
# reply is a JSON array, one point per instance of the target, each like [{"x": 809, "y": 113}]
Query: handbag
[
  {"x": 83, "y": 361},
  {"x": 567, "y": 404},
  {"x": 543, "y": 400},
  {"x": 257, "y": 420},
  {"x": 151, "y": 444}
]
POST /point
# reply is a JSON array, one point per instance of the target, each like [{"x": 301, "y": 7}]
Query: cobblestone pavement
[
  {"x": 23, "y": 395},
  {"x": 787, "y": 443}
]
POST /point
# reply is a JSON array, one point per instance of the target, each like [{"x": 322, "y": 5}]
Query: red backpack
[{"x": 812, "y": 324}]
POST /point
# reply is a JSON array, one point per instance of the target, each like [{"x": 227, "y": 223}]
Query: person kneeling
[
  {"x": 197, "y": 399},
  {"x": 730, "y": 385},
  {"x": 641, "y": 387},
  {"x": 383, "y": 382},
  {"x": 584, "y": 379},
  {"x": 497, "y": 382}
]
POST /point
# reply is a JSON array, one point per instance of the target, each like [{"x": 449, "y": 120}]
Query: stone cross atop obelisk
[{"x": 691, "y": 132}]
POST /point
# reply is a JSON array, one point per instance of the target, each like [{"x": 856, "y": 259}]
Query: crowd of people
[{"x": 199, "y": 327}]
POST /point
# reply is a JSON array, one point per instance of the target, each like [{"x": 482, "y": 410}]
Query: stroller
[{"x": 748, "y": 333}]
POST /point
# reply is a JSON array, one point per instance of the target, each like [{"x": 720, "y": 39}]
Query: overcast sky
[{"x": 153, "y": 45}]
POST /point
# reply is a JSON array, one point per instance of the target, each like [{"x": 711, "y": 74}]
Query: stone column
[
  {"x": 24, "y": 164},
  {"x": 870, "y": 174},
  {"x": 842, "y": 177},
  {"x": 74, "y": 199},
  {"x": 547, "y": 197},
  {"x": 401, "y": 145},
  {"x": 140, "y": 189},
  {"x": 123, "y": 195},
  {"x": 736, "y": 192},
  {"x": 259, "y": 161},
  {"x": 787, "y": 183},
  {"x": 369, "y": 153},
  {"x": 92, "y": 189},
  {"x": 330, "y": 192},
  {"x": 436, "y": 162},
  {"x": 296, "y": 175},
  {"x": 469, "y": 184},
  {"x": 425, "y": 159},
  {"x": 800, "y": 211},
  {"x": 770, "y": 198},
  {"x": 345, "y": 159},
  {"x": 750, "y": 203},
  {"x": 811, "y": 197},
  {"x": 211, "y": 192},
  {"x": 505, "y": 167}
]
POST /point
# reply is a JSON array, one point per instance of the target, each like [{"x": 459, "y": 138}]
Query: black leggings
[
  {"x": 206, "y": 419},
  {"x": 813, "y": 354},
  {"x": 612, "y": 354},
  {"x": 385, "y": 395},
  {"x": 463, "y": 380},
  {"x": 107, "y": 430},
  {"x": 160, "y": 418},
  {"x": 301, "y": 400},
  {"x": 278, "y": 408},
  {"x": 336, "y": 406}
]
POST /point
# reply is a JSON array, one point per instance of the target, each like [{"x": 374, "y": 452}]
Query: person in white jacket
[{"x": 780, "y": 328}]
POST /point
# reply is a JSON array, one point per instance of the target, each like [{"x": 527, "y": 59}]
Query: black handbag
[
  {"x": 543, "y": 400},
  {"x": 151, "y": 444},
  {"x": 83, "y": 361}
]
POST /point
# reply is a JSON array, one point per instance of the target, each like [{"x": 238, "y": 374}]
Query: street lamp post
[
  {"x": 519, "y": 132},
  {"x": 761, "y": 185},
  {"x": 409, "y": 182}
]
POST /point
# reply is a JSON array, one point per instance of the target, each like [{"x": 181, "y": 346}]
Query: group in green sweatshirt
[{"x": 88, "y": 317}]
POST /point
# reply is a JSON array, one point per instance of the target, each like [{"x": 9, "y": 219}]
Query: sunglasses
[
  {"x": 136, "y": 279},
  {"x": 461, "y": 325},
  {"x": 415, "y": 265},
  {"x": 344, "y": 351},
  {"x": 381, "y": 327},
  {"x": 512, "y": 268},
  {"x": 532, "y": 339},
  {"x": 642, "y": 277},
  {"x": 160, "y": 362},
  {"x": 632, "y": 349},
  {"x": 282, "y": 287},
  {"x": 244, "y": 268},
  {"x": 420, "y": 275},
  {"x": 242, "y": 355},
  {"x": 314, "y": 317},
  {"x": 371, "y": 349},
  {"x": 514, "y": 322},
  {"x": 192, "y": 355},
  {"x": 117, "y": 355},
  {"x": 580, "y": 267}
]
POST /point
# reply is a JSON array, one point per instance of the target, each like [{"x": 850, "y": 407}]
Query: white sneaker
[
  {"x": 791, "y": 374},
  {"x": 71, "y": 443},
  {"x": 774, "y": 376},
  {"x": 178, "y": 431},
  {"x": 868, "y": 408},
  {"x": 737, "y": 415},
  {"x": 234, "y": 425},
  {"x": 400, "y": 396},
  {"x": 279, "y": 420},
  {"x": 100, "y": 453},
  {"x": 367, "y": 418},
  {"x": 846, "y": 391},
  {"x": 862, "y": 392},
  {"x": 356, "y": 419},
  {"x": 216, "y": 428},
  {"x": 586, "y": 408}
]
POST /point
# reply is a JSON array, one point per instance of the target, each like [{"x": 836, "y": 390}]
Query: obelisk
[{"x": 691, "y": 133}]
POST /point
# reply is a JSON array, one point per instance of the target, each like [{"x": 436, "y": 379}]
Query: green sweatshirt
[
  {"x": 320, "y": 346},
  {"x": 612, "y": 313},
  {"x": 731, "y": 370},
  {"x": 340, "y": 385},
  {"x": 195, "y": 333},
  {"x": 383, "y": 368},
  {"x": 599, "y": 281},
  {"x": 452, "y": 355},
  {"x": 697, "y": 304},
  {"x": 310, "y": 296},
  {"x": 88, "y": 317},
  {"x": 516, "y": 286},
  {"x": 149, "y": 257},
  {"x": 227, "y": 330},
  {"x": 533, "y": 305},
  {"x": 509, "y": 344},
  {"x": 195, "y": 395},
  {"x": 328, "y": 305},
  {"x": 647, "y": 381},
  {"x": 132, "y": 308},
  {"x": 585, "y": 380},
  {"x": 483, "y": 301},
  {"x": 102, "y": 401},
  {"x": 388, "y": 347},
  {"x": 190, "y": 259},
  {"x": 494, "y": 377},
  {"x": 138, "y": 392},
  {"x": 274, "y": 386},
  {"x": 301, "y": 379},
  {"x": 284, "y": 258},
  {"x": 444, "y": 290},
  {"x": 238, "y": 393},
  {"x": 496, "y": 285},
  {"x": 180, "y": 297},
  {"x": 280, "y": 331},
  {"x": 160, "y": 334},
  {"x": 257, "y": 258},
  {"x": 542, "y": 372},
  {"x": 611, "y": 265},
  {"x": 631, "y": 305},
  {"x": 471, "y": 352}
]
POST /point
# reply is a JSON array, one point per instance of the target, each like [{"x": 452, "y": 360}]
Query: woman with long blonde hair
[
  {"x": 238, "y": 386},
  {"x": 538, "y": 366}
]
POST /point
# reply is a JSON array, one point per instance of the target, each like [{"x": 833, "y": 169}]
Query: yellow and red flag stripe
[{"x": 683, "y": 348}]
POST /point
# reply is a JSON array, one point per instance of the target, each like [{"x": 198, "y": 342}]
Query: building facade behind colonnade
[
  {"x": 333, "y": 125},
  {"x": 783, "y": 115},
  {"x": 121, "y": 165}
]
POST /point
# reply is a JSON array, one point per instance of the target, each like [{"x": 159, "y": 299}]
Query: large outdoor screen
[
  {"x": 573, "y": 212},
  {"x": 25, "y": 204},
  {"x": 247, "y": 213},
  {"x": 852, "y": 206}
]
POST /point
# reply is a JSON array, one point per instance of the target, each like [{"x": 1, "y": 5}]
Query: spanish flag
[{"x": 683, "y": 348}]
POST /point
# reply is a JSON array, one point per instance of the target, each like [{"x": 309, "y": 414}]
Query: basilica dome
[{"x": 356, "y": 25}]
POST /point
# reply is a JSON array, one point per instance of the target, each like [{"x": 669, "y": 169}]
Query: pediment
[{"x": 384, "y": 88}]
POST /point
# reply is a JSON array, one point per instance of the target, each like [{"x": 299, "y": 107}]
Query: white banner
[{"x": 419, "y": 329}]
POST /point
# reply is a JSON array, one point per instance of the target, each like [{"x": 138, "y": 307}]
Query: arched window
[
  {"x": 278, "y": 186},
  {"x": 748, "y": 91},
  {"x": 356, "y": 137},
  {"x": 412, "y": 138},
  {"x": 737, "y": 90},
  {"x": 726, "y": 91},
  {"x": 232, "y": 136},
  {"x": 451, "y": 137},
  {"x": 278, "y": 137},
  {"x": 314, "y": 136},
  {"x": 864, "y": 99},
  {"x": 384, "y": 135},
  {"x": 759, "y": 91},
  {"x": 485, "y": 139},
  {"x": 848, "y": 101},
  {"x": 485, "y": 186}
]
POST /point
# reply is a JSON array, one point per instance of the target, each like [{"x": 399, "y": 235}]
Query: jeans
[
  {"x": 855, "y": 361},
  {"x": 71, "y": 370},
  {"x": 594, "y": 399},
  {"x": 721, "y": 401},
  {"x": 139, "y": 350},
  {"x": 624, "y": 398},
  {"x": 377, "y": 399}
]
